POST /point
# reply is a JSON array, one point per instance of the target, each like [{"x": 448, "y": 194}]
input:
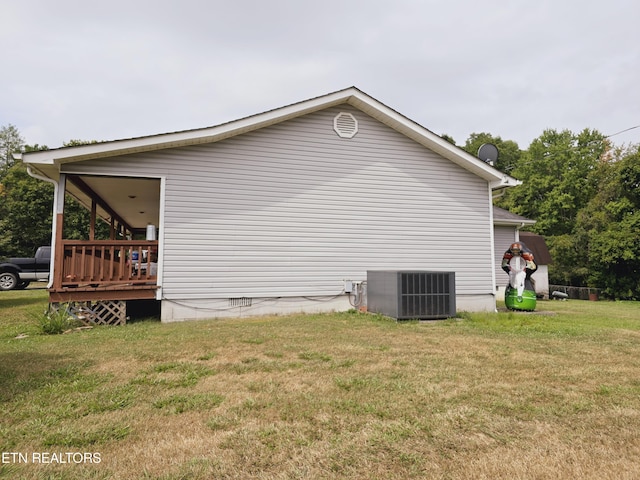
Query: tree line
[
  {"x": 26, "y": 204},
  {"x": 584, "y": 193},
  {"x": 582, "y": 190}
]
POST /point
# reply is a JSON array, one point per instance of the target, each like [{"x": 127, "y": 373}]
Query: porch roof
[{"x": 504, "y": 217}]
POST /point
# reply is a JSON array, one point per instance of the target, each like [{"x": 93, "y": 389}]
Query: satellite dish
[{"x": 488, "y": 153}]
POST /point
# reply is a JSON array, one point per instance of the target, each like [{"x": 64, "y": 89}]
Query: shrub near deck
[{"x": 507, "y": 395}]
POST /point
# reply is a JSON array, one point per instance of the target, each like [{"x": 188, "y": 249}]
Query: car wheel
[
  {"x": 8, "y": 281},
  {"x": 22, "y": 285}
]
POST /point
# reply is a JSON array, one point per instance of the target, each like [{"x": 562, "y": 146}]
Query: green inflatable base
[{"x": 527, "y": 302}]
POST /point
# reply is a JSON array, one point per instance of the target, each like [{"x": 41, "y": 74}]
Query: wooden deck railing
[{"x": 103, "y": 263}]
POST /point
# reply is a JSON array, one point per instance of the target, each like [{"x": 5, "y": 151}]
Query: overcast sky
[{"x": 114, "y": 69}]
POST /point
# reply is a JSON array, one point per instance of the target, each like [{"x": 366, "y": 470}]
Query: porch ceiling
[{"x": 134, "y": 200}]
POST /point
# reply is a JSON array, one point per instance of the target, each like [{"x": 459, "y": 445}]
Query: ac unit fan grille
[{"x": 412, "y": 295}]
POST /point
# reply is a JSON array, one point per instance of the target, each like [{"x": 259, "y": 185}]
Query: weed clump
[{"x": 55, "y": 322}]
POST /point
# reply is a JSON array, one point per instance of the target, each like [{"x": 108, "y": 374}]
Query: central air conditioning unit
[{"x": 408, "y": 295}]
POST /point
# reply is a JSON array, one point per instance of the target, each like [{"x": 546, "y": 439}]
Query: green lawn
[{"x": 555, "y": 394}]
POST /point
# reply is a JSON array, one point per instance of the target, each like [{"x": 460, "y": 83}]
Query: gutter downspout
[
  {"x": 492, "y": 239},
  {"x": 500, "y": 193},
  {"x": 53, "y": 217}
]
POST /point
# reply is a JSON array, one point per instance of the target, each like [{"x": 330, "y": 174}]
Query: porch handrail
[{"x": 105, "y": 262}]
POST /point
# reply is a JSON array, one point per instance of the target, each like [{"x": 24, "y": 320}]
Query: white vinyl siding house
[{"x": 276, "y": 219}]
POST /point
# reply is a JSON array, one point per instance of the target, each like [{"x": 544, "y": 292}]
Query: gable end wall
[{"x": 293, "y": 210}]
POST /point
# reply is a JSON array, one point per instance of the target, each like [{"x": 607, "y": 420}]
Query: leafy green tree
[
  {"x": 448, "y": 138},
  {"x": 26, "y": 209},
  {"x": 26, "y": 203},
  {"x": 508, "y": 151},
  {"x": 557, "y": 171},
  {"x": 559, "y": 179},
  {"x": 76, "y": 142},
  {"x": 608, "y": 228},
  {"x": 25, "y": 212},
  {"x": 10, "y": 142},
  {"x": 77, "y": 220}
]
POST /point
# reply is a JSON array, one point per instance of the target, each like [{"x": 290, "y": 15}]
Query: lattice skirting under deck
[{"x": 100, "y": 312}]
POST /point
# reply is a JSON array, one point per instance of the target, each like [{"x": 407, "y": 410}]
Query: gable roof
[
  {"x": 47, "y": 162},
  {"x": 538, "y": 247},
  {"x": 504, "y": 217}
]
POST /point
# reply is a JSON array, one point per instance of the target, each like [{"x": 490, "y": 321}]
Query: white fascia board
[
  {"x": 351, "y": 95},
  {"x": 184, "y": 138},
  {"x": 513, "y": 223},
  {"x": 430, "y": 140}
]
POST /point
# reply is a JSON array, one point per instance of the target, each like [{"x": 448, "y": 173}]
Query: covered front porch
[{"x": 123, "y": 267}]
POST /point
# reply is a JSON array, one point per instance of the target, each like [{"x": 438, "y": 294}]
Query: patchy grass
[{"x": 504, "y": 395}]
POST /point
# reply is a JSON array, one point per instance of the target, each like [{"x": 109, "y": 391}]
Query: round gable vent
[{"x": 345, "y": 125}]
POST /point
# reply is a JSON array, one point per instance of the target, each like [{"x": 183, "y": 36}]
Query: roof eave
[
  {"x": 183, "y": 138},
  {"x": 505, "y": 182},
  {"x": 511, "y": 223},
  {"x": 430, "y": 140},
  {"x": 351, "y": 95}
]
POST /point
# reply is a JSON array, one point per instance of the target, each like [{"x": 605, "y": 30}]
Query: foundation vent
[
  {"x": 240, "y": 302},
  {"x": 345, "y": 125}
]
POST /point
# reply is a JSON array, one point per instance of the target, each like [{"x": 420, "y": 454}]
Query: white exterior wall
[
  {"x": 504, "y": 237},
  {"x": 285, "y": 214},
  {"x": 541, "y": 279}
]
